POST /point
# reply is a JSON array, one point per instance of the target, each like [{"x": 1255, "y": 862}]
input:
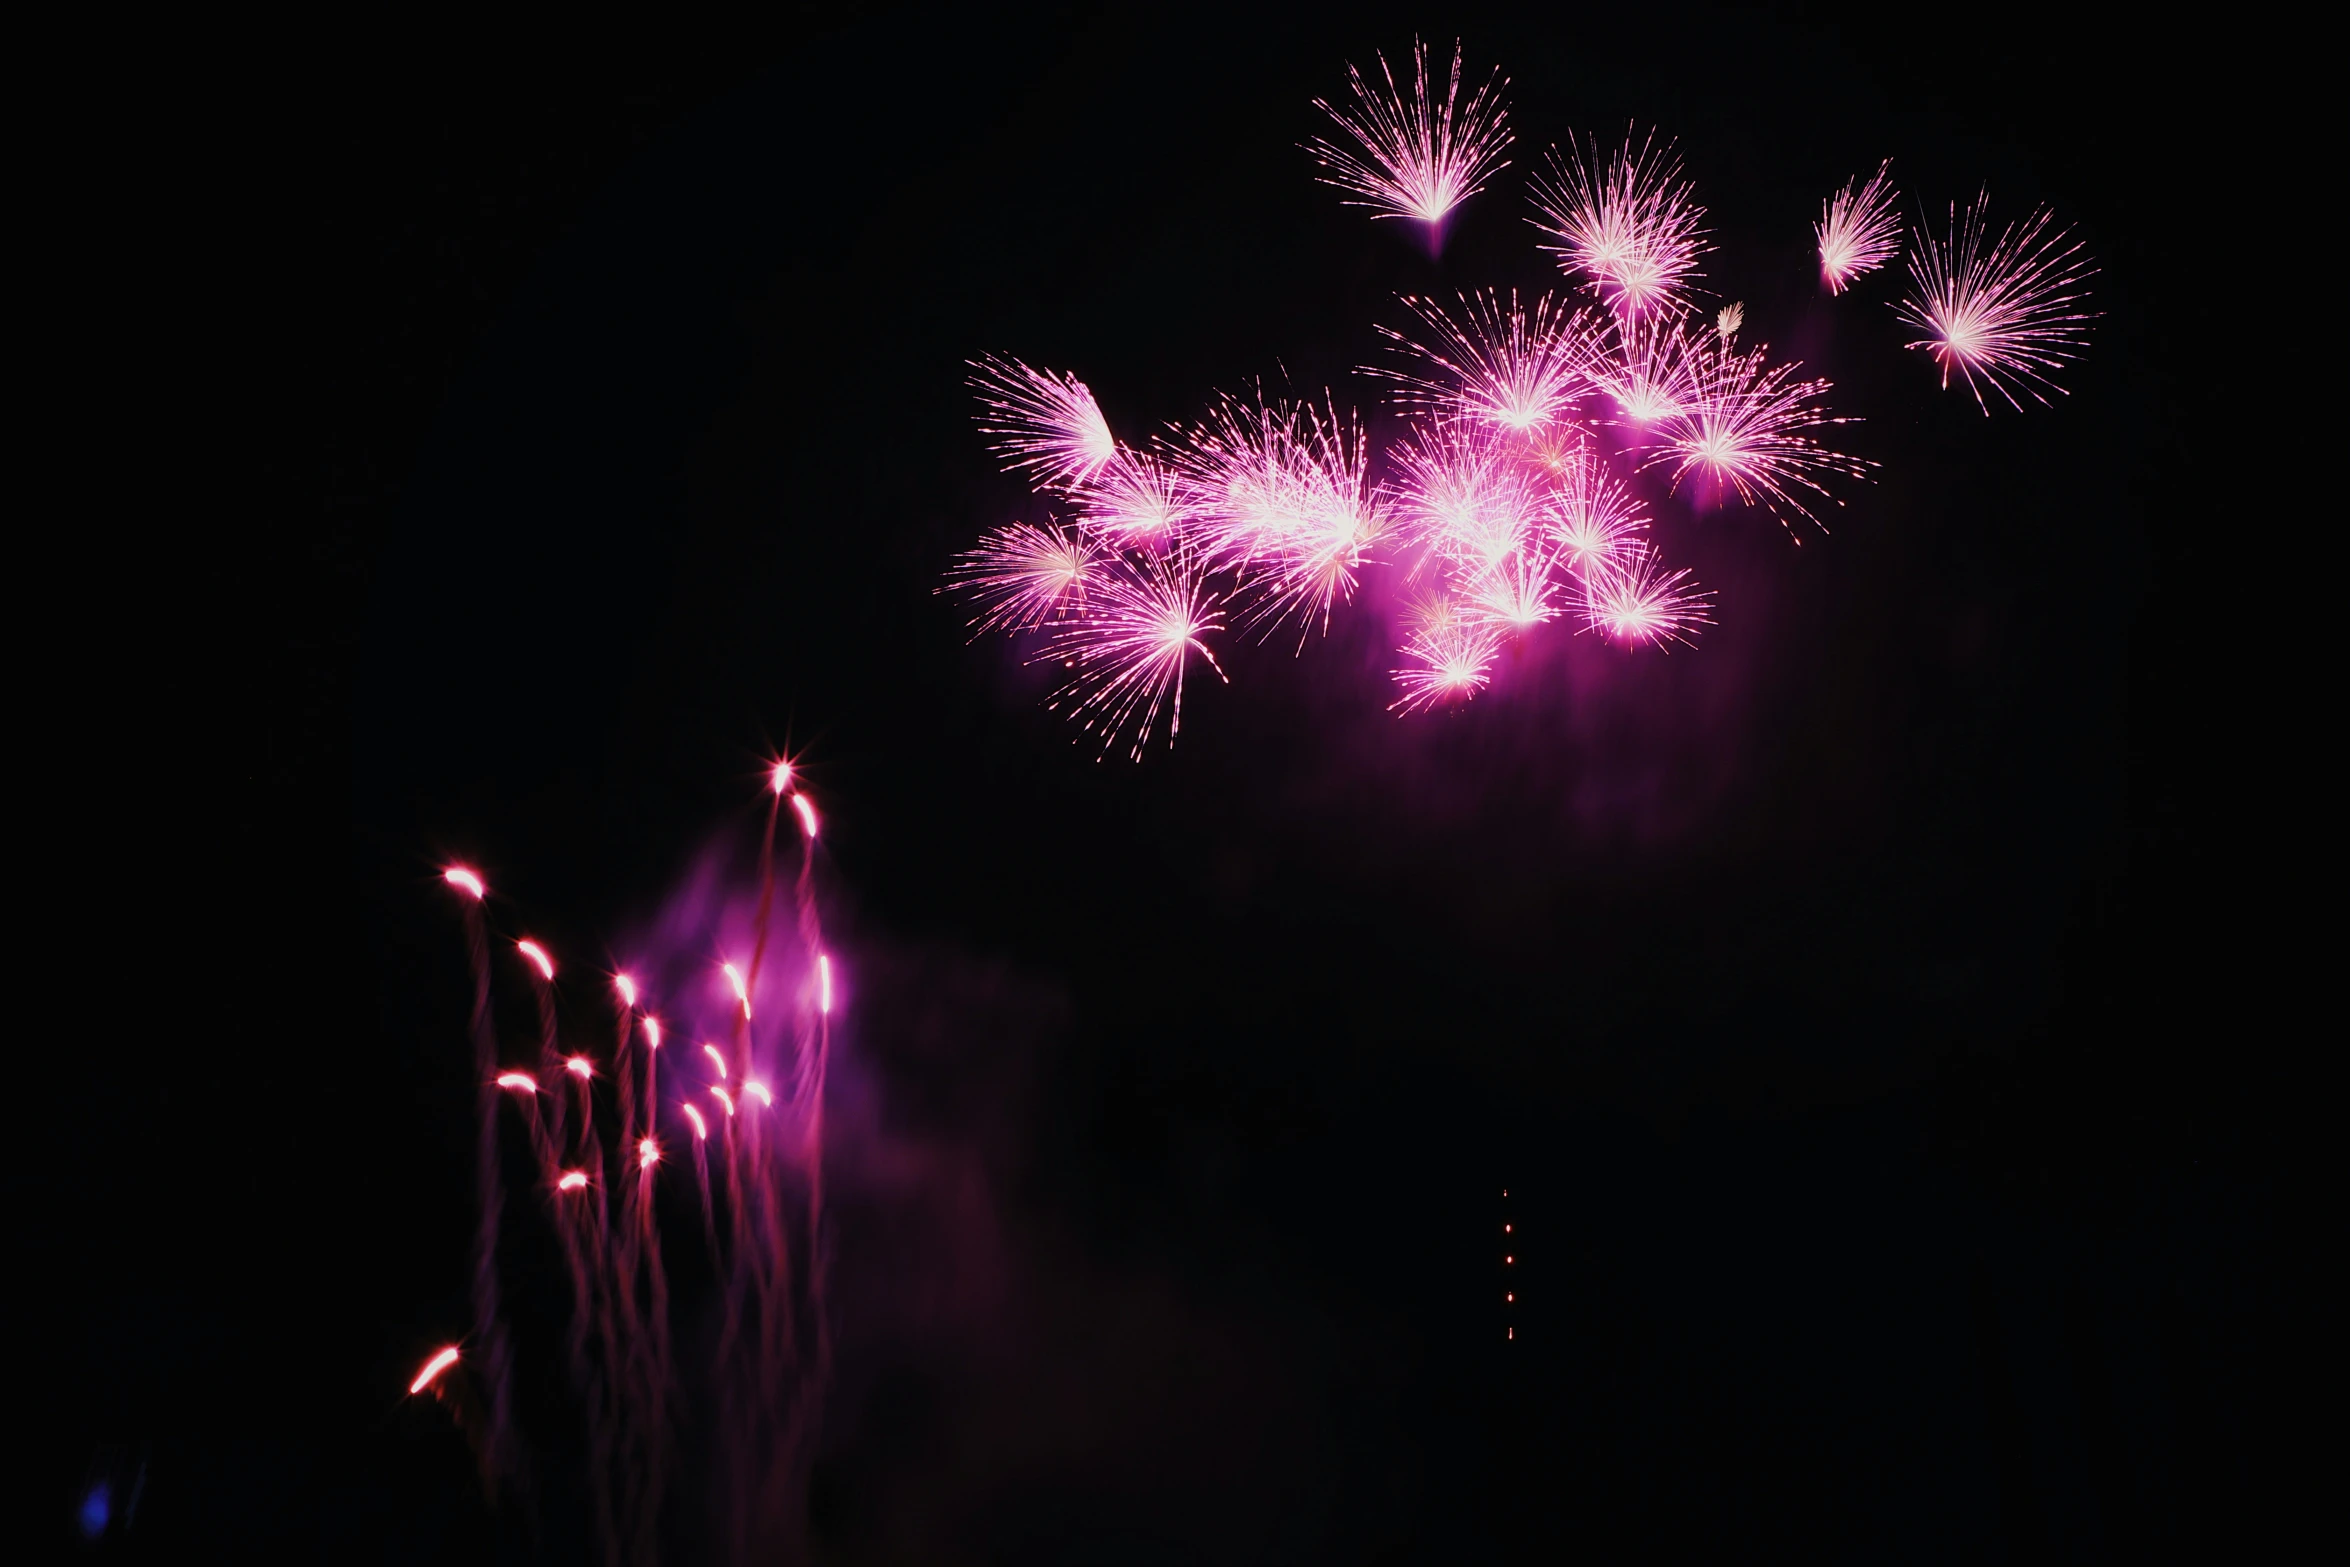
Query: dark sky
[{"x": 1854, "y": 1007}]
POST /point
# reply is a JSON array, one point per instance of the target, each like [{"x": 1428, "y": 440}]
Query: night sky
[{"x": 1857, "y": 1008}]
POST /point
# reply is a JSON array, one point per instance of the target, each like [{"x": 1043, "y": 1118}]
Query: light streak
[
  {"x": 758, "y": 1090},
  {"x": 653, "y": 1032},
  {"x": 440, "y": 1362},
  {"x": 742, "y": 992},
  {"x": 824, "y": 984},
  {"x": 807, "y": 813},
  {"x": 466, "y": 882},
  {"x": 580, "y": 1067},
  {"x": 572, "y": 1181},
  {"x": 627, "y": 989},
  {"x": 520, "y": 1082},
  {"x": 701, "y": 1129},
  {"x": 779, "y": 778},
  {"x": 648, "y": 1153},
  {"x": 716, "y": 1059},
  {"x": 538, "y": 956},
  {"x": 723, "y": 1097}
]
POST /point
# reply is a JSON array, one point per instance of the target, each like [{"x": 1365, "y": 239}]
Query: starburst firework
[
  {"x": 1496, "y": 363},
  {"x": 1415, "y": 156},
  {"x": 1044, "y": 423},
  {"x": 1859, "y": 230},
  {"x": 2002, "y": 310},
  {"x": 1451, "y": 655},
  {"x": 1635, "y": 599},
  {"x": 1020, "y": 576},
  {"x": 1628, "y": 223},
  {"x": 1745, "y": 426},
  {"x": 1127, "y": 653}
]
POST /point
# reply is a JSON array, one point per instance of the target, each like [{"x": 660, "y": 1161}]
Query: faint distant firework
[
  {"x": 2004, "y": 310},
  {"x": 1530, "y": 425}
]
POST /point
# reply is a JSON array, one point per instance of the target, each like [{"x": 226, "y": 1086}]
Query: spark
[
  {"x": 538, "y": 956},
  {"x": 440, "y": 1362},
  {"x": 648, "y": 1153},
  {"x": 1497, "y": 364},
  {"x": 1138, "y": 501},
  {"x": 627, "y": 989},
  {"x": 1859, "y": 229},
  {"x": 580, "y": 1067},
  {"x": 574, "y": 1180},
  {"x": 723, "y": 1097},
  {"x": 701, "y": 1129},
  {"x": 1745, "y": 427},
  {"x": 1729, "y": 319},
  {"x": 653, "y": 1032},
  {"x": 520, "y": 1082},
  {"x": 1021, "y": 576},
  {"x": 807, "y": 813},
  {"x": 716, "y": 1059},
  {"x": 758, "y": 1090},
  {"x": 1629, "y": 224},
  {"x": 2002, "y": 310},
  {"x": 824, "y": 984},
  {"x": 1043, "y": 422},
  {"x": 779, "y": 778},
  {"x": 734, "y": 977},
  {"x": 1126, "y": 656},
  {"x": 466, "y": 882},
  {"x": 1635, "y": 599},
  {"x": 1415, "y": 157}
]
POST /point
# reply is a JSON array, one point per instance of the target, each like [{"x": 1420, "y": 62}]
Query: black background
[{"x": 1876, "y": 1015}]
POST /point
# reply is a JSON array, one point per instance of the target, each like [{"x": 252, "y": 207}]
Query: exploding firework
[
  {"x": 1530, "y": 427},
  {"x": 1629, "y": 223},
  {"x": 1413, "y": 155},
  {"x": 763, "y": 1225},
  {"x": 1859, "y": 230},
  {"x": 2002, "y": 310}
]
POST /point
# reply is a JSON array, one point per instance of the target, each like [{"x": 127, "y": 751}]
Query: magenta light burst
[
  {"x": 1859, "y": 229},
  {"x": 2002, "y": 310},
  {"x": 1628, "y": 223},
  {"x": 1533, "y": 434},
  {"x": 1413, "y": 155}
]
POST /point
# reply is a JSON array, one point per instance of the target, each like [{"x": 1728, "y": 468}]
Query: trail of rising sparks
[
  {"x": 2003, "y": 311},
  {"x": 1414, "y": 155}
]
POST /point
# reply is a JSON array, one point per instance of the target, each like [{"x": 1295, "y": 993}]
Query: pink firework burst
[
  {"x": 1859, "y": 230},
  {"x": 1591, "y": 512},
  {"x": 1463, "y": 500},
  {"x": 1450, "y": 653},
  {"x": 1634, "y": 599},
  {"x": 1497, "y": 364},
  {"x": 1413, "y": 155},
  {"x": 1021, "y": 576},
  {"x": 1746, "y": 427},
  {"x": 2004, "y": 310},
  {"x": 1518, "y": 593},
  {"x": 1137, "y": 501},
  {"x": 1127, "y": 653},
  {"x": 1650, "y": 371},
  {"x": 1284, "y": 504},
  {"x": 1044, "y": 422},
  {"x": 1628, "y": 223}
]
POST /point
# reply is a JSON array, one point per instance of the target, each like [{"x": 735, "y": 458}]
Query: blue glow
[{"x": 97, "y": 1508}]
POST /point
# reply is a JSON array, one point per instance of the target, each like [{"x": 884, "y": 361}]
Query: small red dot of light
[
  {"x": 1505, "y": 1229},
  {"x": 1509, "y": 1297},
  {"x": 1509, "y": 1261}
]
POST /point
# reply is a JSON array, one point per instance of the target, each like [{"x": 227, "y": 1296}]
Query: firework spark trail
[
  {"x": 1629, "y": 223},
  {"x": 1452, "y": 656},
  {"x": 2003, "y": 310},
  {"x": 1744, "y": 427},
  {"x": 1044, "y": 423},
  {"x": 1501, "y": 364},
  {"x": 1634, "y": 599},
  {"x": 1859, "y": 229},
  {"x": 489, "y": 1326},
  {"x": 1413, "y": 155},
  {"x": 1022, "y": 576}
]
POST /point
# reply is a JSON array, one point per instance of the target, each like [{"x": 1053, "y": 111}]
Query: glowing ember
[
  {"x": 580, "y": 1066},
  {"x": 627, "y": 989},
  {"x": 758, "y": 1090},
  {"x": 716, "y": 1059},
  {"x": 723, "y": 1097},
  {"x": 648, "y": 1153},
  {"x": 538, "y": 957},
  {"x": 466, "y": 882},
  {"x": 520, "y": 1082},
  {"x": 653, "y": 1032},
  {"x": 701, "y": 1129},
  {"x": 807, "y": 813},
  {"x": 824, "y": 983},
  {"x": 742, "y": 993},
  {"x": 439, "y": 1363},
  {"x": 572, "y": 1181}
]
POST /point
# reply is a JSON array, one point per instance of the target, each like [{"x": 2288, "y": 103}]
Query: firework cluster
[{"x": 1534, "y": 433}]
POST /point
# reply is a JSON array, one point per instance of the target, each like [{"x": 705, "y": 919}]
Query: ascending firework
[
  {"x": 1511, "y": 497},
  {"x": 764, "y": 1228},
  {"x": 2004, "y": 310},
  {"x": 1859, "y": 230},
  {"x": 1413, "y": 155}
]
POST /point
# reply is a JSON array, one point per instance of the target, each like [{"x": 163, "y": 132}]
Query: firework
[
  {"x": 1022, "y": 576},
  {"x": 1127, "y": 654},
  {"x": 1498, "y": 364},
  {"x": 1744, "y": 427},
  {"x": 1629, "y": 223},
  {"x": 2001, "y": 310},
  {"x": 439, "y": 1363},
  {"x": 1046, "y": 424},
  {"x": 1634, "y": 599},
  {"x": 1859, "y": 229},
  {"x": 1413, "y": 155},
  {"x": 1729, "y": 319},
  {"x": 520, "y": 1082},
  {"x": 1451, "y": 656}
]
